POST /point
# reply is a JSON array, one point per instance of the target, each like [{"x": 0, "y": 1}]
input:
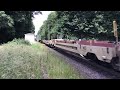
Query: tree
[
  {"x": 47, "y": 29},
  {"x": 15, "y": 24},
  {"x": 23, "y": 21},
  {"x": 6, "y": 27},
  {"x": 82, "y": 24}
]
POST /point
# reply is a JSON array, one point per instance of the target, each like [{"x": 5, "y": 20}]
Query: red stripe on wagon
[
  {"x": 88, "y": 42},
  {"x": 66, "y": 41},
  {"x": 97, "y": 43}
]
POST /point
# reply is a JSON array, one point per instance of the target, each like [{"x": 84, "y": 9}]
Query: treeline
[
  {"x": 80, "y": 25},
  {"x": 14, "y": 24}
]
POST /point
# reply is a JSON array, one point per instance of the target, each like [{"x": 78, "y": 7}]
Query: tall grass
[
  {"x": 55, "y": 66},
  {"x": 19, "y": 60}
]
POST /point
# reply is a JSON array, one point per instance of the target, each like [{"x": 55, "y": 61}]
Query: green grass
[
  {"x": 58, "y": 69},
  {"x": 55, "y": 66},
  {"x": 22, "y": 61}
]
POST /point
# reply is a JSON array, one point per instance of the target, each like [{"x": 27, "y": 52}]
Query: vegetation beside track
[{"x": 20, "y": 60}]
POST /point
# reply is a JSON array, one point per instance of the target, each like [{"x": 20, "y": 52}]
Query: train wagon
[{"x": 91, "y": 49}]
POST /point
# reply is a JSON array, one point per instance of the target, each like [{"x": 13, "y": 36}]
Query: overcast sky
[{"x": 39, "y": 19}]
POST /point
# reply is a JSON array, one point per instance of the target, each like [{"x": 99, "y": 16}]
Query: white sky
[{"x": 39, "y": 19}]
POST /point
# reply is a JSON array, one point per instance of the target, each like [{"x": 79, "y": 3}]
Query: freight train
[{"x": 105, "y": 51}]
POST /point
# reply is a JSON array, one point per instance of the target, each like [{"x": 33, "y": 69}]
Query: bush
[{"x": 20, "y": 41}]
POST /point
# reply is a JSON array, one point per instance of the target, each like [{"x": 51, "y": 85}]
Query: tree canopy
[
  {"x": 80, "y": 25},
  {"x": 14, "y": 24}
]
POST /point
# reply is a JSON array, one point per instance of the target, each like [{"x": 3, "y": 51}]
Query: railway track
[{"x": 90, "y": 69}]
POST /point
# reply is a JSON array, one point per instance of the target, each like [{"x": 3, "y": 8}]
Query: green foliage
[
  {"x": 80, "y": 24},
  {"x": 5, "y": 20},
  {"x": 20, "y": 41},
  {"x": 7, "y": 30},
  {"x": 23, "y": 22},
  {"x": 14, "y": 24},
  {"x": 47, "y": 29}
]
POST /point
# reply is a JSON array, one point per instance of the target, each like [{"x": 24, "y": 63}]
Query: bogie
[
  {"x": 115, "y": 63},
  {"x": 91, "y": 56}
]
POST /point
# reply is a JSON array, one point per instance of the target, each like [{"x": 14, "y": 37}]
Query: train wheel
[
  {"x": 91, "y": 56},
  {"x": 94, "y": 58},
  {"x": 114, "y": 63},
  {"x": 87, "y": 56}
]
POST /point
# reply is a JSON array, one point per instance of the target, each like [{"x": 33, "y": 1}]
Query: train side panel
[
  {"x": 67, "y": 46},
  {"x": 103, "y": 50},
  {"x": 103, "y": 53}
]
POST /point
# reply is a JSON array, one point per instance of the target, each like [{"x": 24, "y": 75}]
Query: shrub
[{"x": 20, "y": 41}]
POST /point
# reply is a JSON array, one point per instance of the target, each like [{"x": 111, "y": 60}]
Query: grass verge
[{"x": 22, "y": 61}]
